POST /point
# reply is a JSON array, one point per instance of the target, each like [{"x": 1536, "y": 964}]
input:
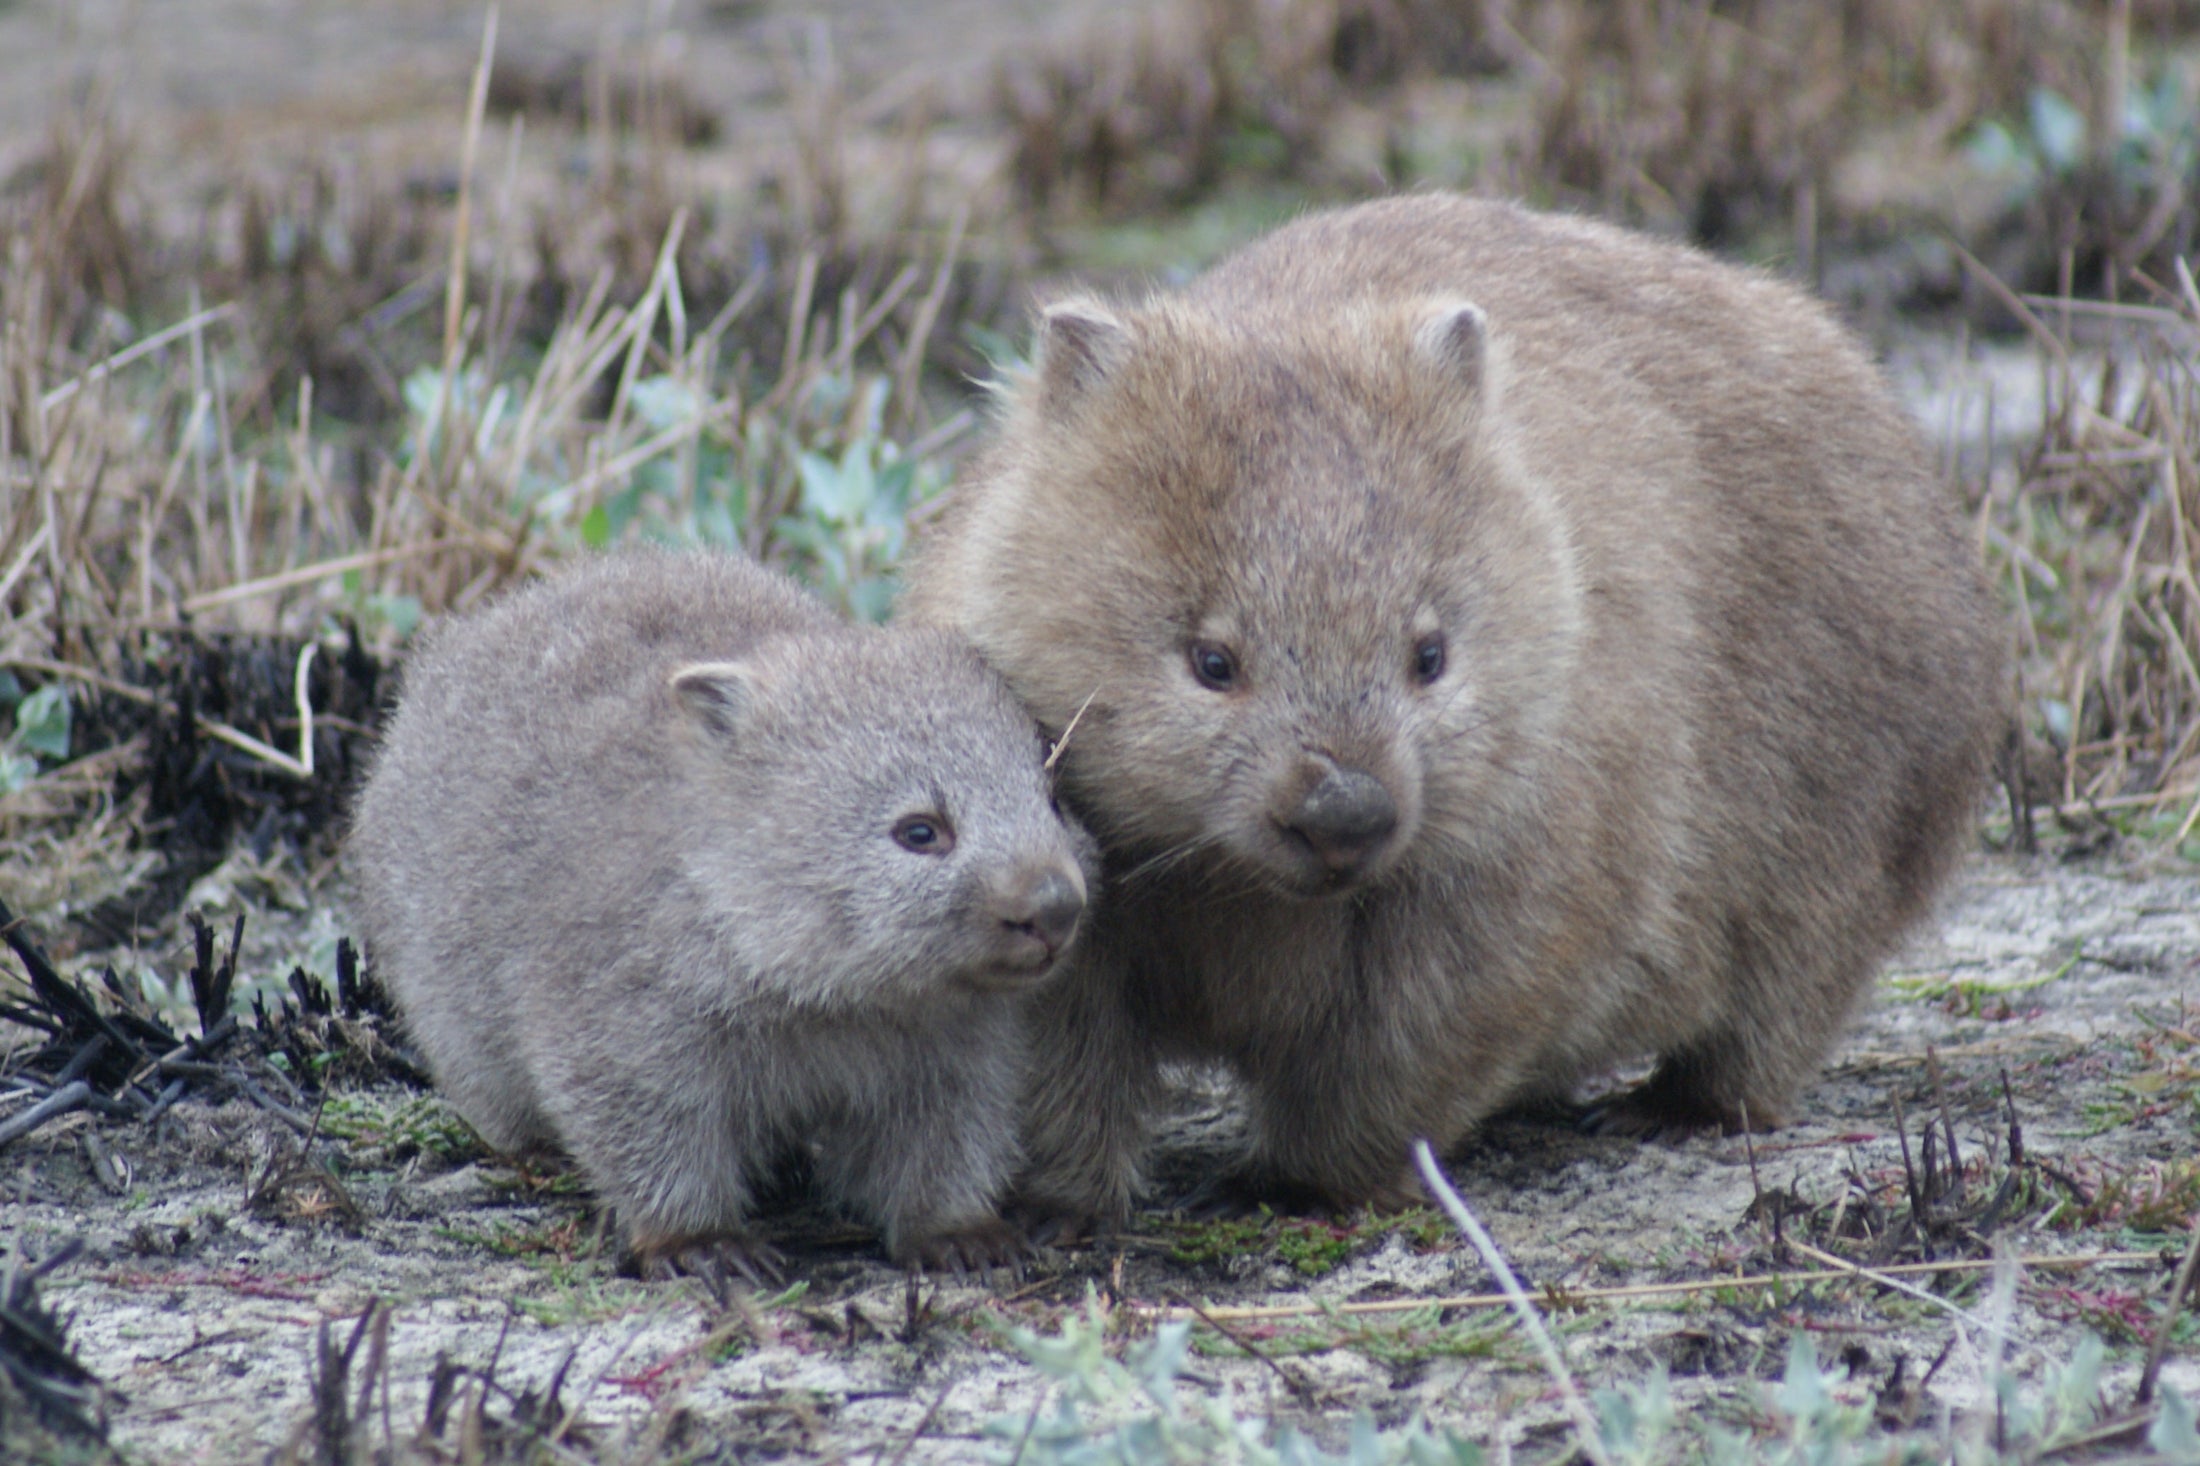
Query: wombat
[
  {"x": 1512, "y": 645},
  {"x": 665, "y": 865}
]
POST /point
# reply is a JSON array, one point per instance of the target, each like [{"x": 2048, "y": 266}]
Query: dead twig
[
  {"x": 1299, "y": 1388},
  {"x": 2179, "y": 1289},
  {"x": 1586, "y": 1433},
  {"x": 1880, "y": 1276},
  {"x": 300, "y": 767},
  {"x": 924, "y": 1423},
  {"x": 60, "y": 1102}
]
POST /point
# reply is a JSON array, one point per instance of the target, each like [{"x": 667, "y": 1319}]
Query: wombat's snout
[
  {"x": 1345, "y": 819},
  {"x": 1038, "y": 910}
]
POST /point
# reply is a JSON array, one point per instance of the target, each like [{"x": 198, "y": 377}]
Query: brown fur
[
  {"x": 1718, "y": 682},
  {"x": 627, "y": 860}
]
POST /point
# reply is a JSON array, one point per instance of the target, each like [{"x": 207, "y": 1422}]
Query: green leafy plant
[
  {"x": 40, "y": 732},
  {"x": 1130, "y": 1412},
  {"x": 1634, "y": 1420},
  {"x": 2157, "y": 136},
  {"x": 416, "y": 1125},
  {"x": 852, "y": 520}
]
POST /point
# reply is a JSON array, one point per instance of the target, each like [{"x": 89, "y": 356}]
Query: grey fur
[
  {"x": 627, "y": 861},
  {"x": 1716, "y": 683}
]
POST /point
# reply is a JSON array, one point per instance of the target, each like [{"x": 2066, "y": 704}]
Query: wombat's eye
[
  {"x": 1428, "y": 657},
  {"x": 923, "y": 834},
  {"x": 1213, "y": 665}
]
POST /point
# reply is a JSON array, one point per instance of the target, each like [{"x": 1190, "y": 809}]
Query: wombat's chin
[{"x": 1020, "y": 963}]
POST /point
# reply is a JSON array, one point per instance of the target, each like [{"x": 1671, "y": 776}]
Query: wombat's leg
[
  {"x": 1093, "y": 1079},
  {"x": 655, "y": 1121},
  {"x": 500, "y": 1105},
  {"x": 1332, "y": 1122},
  {"x": 1780, "y": 1023},
  {"x": 1703, "y": 1087},
  {"x": 475, "y": 1067},
  {"x": 923, "y": 1140},
  {"x": 969, "y": 1248}
]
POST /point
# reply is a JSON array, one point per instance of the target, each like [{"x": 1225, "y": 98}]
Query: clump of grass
[
  {"x": 2094, "y": 541},
  {"x": 384, "y": 1129},
  {"x": 1778, "y": 128},
  {"x": 1132, "y": 1410},
  {"x": 1721, "y": 121},
  {"x": 1313, "y": 1247},
  {"x": 1165, "y": 110}
]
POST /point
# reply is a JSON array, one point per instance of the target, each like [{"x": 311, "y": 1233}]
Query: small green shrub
[
  {"x": 40, "y": 732},
  {"x": 1129, "y": 1412}
]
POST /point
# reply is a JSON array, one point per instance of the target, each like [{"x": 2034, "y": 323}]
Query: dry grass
[
  {"x": 383, "y": 394},
  {"x": 502, "y": 340},
  {"x": 1160, "y": 111},
  {"x": 1774, "y": 127},
  {"x": 380, "y": 400},
  {"x": 2096, "y": 536},
  {"x": 1724, "y": 121}
]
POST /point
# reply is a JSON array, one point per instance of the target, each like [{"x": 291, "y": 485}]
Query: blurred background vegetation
[{"x": 282, "y": 380}]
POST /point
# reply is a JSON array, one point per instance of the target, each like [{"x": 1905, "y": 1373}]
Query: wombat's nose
[
  {"x": 1048, "y": 907},
  {"x": 1346, "y": 818}
]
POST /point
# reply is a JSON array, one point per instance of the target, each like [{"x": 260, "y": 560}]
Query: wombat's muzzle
[
  {"x": 1345, "y": 819},
  {"x": 1038, "y": 913}
]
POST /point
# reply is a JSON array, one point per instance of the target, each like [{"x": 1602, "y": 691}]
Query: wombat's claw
[
  {"x": 716, "y": 1260},
  {"x": 967, "y": 1249},
  {"x": 1405, "y": 1193},
  {"x": 1046, "y": 1225}
]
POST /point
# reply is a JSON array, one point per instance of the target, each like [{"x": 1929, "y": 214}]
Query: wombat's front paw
[
  {"x": 1403, "y": 1192},
  {"x": 1054, "y": 1223},
  {"x": 966, "y": 1249},
  {"x": 1669, "y": 1113},
  {"x": 716, "y": 1260}
]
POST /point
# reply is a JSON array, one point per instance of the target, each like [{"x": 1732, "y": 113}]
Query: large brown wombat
[
  {"x": 1513, "y": 646},
  {"x": 665, "y": 865}
]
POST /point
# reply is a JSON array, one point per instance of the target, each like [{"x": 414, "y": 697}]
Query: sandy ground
[{"x": 2063, "y": 979}]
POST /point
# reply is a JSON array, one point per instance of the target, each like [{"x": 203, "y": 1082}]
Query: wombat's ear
[
  {"x": 1080, "y": 342},
  {"x": 1455, "y": 336},
  {"x": 718, "y": 695}
]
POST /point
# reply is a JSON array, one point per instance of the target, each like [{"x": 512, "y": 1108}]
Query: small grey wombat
[{"x": 666, "y": 865}]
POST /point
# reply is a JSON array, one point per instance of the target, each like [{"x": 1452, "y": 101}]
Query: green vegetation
[
  {"x": 1131, "y": 1410},
  {"x": 383, "y": 1127},
  {"x": 40, "y": 733},
  {"x": 1313, "y": 1246}
]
